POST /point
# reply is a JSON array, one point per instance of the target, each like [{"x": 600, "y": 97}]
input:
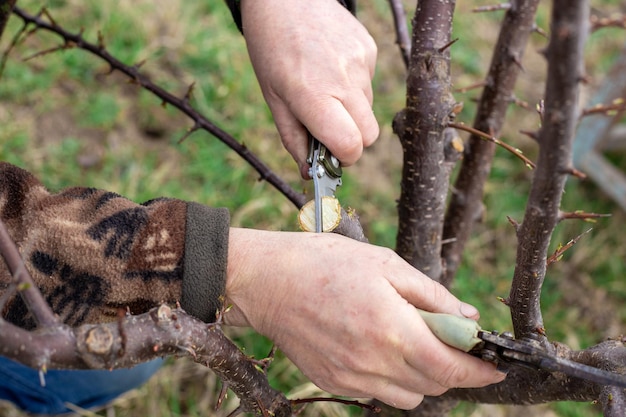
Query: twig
[
  {"x": 582, "y": 215},
  {"x": 365, "y": 406},
  {"x": 617, "y": 106},
  {"x": 598, "y": 23},
  {"x": 402, "y": 32},
  {"x": 39, "y": 308},
  {"x": 558, "y": 253},
  {"x": 492, "y": 8},
  {"x": 463, "y": 90},
  {"x": 515, "y": 151},
  {"x": 200, "y": 121}
]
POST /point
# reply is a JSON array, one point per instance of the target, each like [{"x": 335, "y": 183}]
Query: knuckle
[{"x": 451, "y": 376}]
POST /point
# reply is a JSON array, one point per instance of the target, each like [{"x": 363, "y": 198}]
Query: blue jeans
[{"x": 84, "y": 388}]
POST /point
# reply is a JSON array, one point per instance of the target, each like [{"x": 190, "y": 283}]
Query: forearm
[{"x": 93, "y": 252}]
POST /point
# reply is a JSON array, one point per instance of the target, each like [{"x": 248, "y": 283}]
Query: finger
[
  {"x": 445, "y": 366},
  {"x": 398, "y": 397},
  {"x": 293, "y": 135},
  {"x": 359, "y": 107},
  {"x": 330, "y": 122},
  {"x": 427, "y": 294}
]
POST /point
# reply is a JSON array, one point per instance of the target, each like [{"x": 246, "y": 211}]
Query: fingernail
[{"x": 469, "y": 310}]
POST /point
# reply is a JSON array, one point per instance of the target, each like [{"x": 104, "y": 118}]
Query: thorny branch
[
  {"x": 466, "y": 202},
  {"x": 561, "y": 112},
  {"x": 420, "y": 127},
  {"x": 200, "y": 121}
]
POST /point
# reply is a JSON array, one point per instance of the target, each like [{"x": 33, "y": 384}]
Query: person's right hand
[
  {"x": 315, "y": 63},
  {"x": 344, "y": 313}
]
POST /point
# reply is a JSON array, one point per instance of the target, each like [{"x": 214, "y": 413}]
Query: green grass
[{"x": 70, "y": 122}]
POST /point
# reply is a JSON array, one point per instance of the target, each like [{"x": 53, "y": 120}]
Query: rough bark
[
  {"x": 420, "y": 128},
  {"x": 526, "y": 386},
  {"x": 465, "y": 206},
  {"x": 569, "y": 29}
]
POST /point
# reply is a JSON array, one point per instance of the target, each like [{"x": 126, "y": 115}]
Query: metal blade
[
  {"x": 579, "y": 370},
  {"x": 319, "y": 225}
]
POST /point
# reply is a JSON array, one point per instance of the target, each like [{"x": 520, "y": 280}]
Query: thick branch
[
  {"x": 200, "y": 122},
  {"x": 466, "y": 201},
  {"x": 420, "y": 127},
  {"x": 569, "y": 28},
  {"x": 526, "y": 386},
  {"x": 135, "y": 339}
]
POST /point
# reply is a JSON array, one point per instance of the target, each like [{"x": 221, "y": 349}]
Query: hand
[
  {"x": 344, "y": 313},
  {"x": 315, "y": 63}
]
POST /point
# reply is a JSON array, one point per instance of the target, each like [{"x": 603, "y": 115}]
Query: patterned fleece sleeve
[{"x": 93, "y": 253}]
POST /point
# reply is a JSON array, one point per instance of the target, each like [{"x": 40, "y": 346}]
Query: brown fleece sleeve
[{"x": 93, "y": 252}]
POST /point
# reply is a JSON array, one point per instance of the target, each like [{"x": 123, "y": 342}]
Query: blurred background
[{"x": 70, "y": 121}]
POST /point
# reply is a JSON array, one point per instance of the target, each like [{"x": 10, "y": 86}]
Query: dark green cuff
[{"x": 206, "y": 254}]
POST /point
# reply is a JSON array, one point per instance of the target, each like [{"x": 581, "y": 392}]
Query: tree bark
[
  {"x": 569, "y": 29},
  {"x": 420, "y": 128},
  {"x": 465, "y": 206}
]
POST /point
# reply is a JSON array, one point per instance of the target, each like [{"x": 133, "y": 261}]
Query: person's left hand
[{"x": 315, "y": 63}]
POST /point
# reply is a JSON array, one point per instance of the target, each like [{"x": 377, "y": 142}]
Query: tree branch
[
  {"x": 569, "y": 28},
  {"x": 526, "y": 386},
  {"x": 402, "y": 33},
  {"x": 420, "y": 128},
  {"x": 466, "y": 201},
  {"x": 200, "y": 122}
]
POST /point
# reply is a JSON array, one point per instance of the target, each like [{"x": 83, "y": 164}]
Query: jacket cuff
[
  {"x": 233, "y": 5},
  {"x": 206, "y": 253}
]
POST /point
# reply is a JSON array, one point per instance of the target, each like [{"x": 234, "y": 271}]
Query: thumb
[{"x": 429, "y": 295}]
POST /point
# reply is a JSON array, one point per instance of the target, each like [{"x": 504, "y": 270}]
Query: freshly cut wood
[{"x": 331, "y": 215}]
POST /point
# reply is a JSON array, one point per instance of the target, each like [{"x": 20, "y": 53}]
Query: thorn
[
  {"x": 517, "y": 62},
  {"x": 479, "y": 84},
  {"x": 448, "y": 45},
  {"x": 189, "y": 93},
  {"x": 576, "y": 173},
  {"x": 530, "y": 134},
  {"x": 513, "y": 222},
  {"x": 540, "y": 31},
  {"x": 101, "y": 44},
  {"x": 189, "y": 132},
  {"x": 44, "y": 11},
  {"x": 139, "y": 64},
  {"x": 221, "y": 396},
  {"x": 519, "y": 102}
]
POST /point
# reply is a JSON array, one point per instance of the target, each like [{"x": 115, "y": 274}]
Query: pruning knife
[
  {"x": 503, "y": 349},
  {"x": 326, "y": 173}
]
